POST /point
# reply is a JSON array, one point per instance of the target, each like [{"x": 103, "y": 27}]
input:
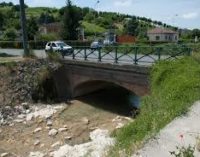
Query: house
[
  {"x": 50, "y": 28},
  {"x": 162, "y": 35}
]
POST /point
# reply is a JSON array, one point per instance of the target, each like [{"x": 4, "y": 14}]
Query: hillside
[{"x": 94, "y": 23}]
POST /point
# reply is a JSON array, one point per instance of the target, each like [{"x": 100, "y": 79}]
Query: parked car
[
  {"x": 59, "y": 46},
  {"x": 96, "y": 45}
]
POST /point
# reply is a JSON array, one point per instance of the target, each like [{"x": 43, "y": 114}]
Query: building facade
[{"x": 162, "y": 35}]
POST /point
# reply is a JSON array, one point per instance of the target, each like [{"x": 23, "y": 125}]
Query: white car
[
  {"x": 59, "y": 46},
  {"x": 96, "y": 45}
]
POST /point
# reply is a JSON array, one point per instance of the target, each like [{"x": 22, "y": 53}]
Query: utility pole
[{"x": 23, "y": 25}]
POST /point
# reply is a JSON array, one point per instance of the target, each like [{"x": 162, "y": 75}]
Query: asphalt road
[{"x": 107, "y": 58}]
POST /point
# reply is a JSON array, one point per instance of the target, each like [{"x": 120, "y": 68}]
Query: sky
[{"x": 181, "y": 13}]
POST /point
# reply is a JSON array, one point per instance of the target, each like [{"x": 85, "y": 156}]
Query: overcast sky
[{"x": 182, "y": 13}]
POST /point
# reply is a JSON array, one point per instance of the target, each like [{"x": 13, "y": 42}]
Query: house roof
[{"x": 161, "y": 31}]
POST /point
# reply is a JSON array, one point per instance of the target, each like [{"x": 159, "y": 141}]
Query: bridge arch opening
[{"x": 108, "y": 96}]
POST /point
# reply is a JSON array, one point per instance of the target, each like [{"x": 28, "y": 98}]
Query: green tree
[
  {"x": 10, "y": 34},
  {"x": 2, "y": 20},
  {"x": 32, "y": 28},
  {"x": 131, "y": 27},
  {"x": 70, "y": 22}
]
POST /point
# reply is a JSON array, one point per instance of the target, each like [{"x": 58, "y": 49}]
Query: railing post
[
  {"x": 136, "y": 51},
  {"x": 189, "y": 51},
  {"x": 85, "y": 53},
  {"x": 99, "y": 55},
  {"x": 73, "y": 55},
  {"x": 116, "y": 58},
  {"x": 159, "y": 54}
]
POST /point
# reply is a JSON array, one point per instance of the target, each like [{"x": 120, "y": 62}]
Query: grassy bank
[{"x": 175, "y": 86}]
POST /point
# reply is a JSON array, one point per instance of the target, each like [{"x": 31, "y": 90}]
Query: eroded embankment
[{"x": 25, "y": 81}]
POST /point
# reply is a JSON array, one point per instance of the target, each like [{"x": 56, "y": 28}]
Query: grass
[
  {"x": 175, "y": 86},
  {"x": 91, "y": 28}
]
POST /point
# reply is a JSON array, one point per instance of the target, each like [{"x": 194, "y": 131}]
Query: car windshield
[{"x": 61, "y": 44}]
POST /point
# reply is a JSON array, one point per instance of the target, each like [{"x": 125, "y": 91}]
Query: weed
[
  {"x": 183, "y": 151},
  {"x": 175, "y": 86}
]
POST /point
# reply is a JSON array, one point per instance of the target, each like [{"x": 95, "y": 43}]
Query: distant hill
[{"x": 94, "y": 22}]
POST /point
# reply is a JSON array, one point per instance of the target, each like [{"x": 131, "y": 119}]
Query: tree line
[{"x": 71, "y": 18}]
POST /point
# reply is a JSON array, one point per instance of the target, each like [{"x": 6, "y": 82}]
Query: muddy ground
[{"x": 106, "y": 109}]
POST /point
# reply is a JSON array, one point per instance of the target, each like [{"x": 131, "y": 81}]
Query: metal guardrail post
[
  {"x": 99, "y": 55},
  {"x": 136, "y": 51},
  {"x": 85, "y": 53},
  {"x": 116, "y": 58},
  {"x": 159, "y": 53},
  {"x": 189, "y": 51},
  {"x": 73, "y": 55}
]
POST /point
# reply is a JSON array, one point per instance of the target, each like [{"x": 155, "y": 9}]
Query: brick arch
[{"x": 90, "y": 85}]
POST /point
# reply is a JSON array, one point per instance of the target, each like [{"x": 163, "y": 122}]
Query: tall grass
[{"x": 175, "y": 86}]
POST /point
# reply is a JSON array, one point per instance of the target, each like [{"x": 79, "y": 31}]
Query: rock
[
  {"x": 62, "y": 129},
  {"x": 85, "y": 120},
  {"x": 25, "y": 105},
  {"x": 21, "y": 116},
  {"x": 53, "y": 132},
  {"x": 65, "y": 126},
  {"x": 11, "y": 124},
  {"x": 4, "y": 154},
  {"x": 128, "y": 118},
  {"x": 28, "y": 111},
  {"x": 29, "y": 117},
  {"x": 0, "y": 131},
  {"x": 68, "y": 137},
  {"x": 119, "y": 125},
  {"x": 48, "y": 128},
  {"x": 49, "y": 123},
  {"x": 37, "y": 130},
  {"x": 42, "y": 145},
  {"x": 19, "y": 120},
  {"x": 36, "y": 154},
  {"x": 56, "y": 144},
  {"x": 36, "y": 142},
  {"x": 93, "y": 128}
]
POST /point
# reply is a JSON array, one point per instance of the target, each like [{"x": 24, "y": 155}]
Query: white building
[{"x": 162, "y": 35}]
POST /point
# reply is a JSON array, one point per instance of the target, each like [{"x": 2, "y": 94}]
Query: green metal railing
[{"x": 131, "y": 54}]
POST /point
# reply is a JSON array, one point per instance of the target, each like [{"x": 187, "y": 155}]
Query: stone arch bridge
[{"x": 77, "y": 78}]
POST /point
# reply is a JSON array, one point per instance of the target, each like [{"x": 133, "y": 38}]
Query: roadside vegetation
[{"x": 175, "y": 86}]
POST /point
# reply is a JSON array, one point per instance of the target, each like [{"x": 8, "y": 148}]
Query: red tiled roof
[{"x": 161, "y": 31}]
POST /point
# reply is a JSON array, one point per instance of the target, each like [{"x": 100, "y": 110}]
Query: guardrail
[{"x": 131, "y": 54}]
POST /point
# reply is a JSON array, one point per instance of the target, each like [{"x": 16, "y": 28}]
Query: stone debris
[
  {"x": 56, "y": 144},
  {"x": 119, "y": 125},
  {"x": 43, "y": 111},
  {"x": 95, "y": 148},
  {"x": 49, "y": 123},
  {"x": 62, "y": 129},
  {"x": 53, "y": 132},
  {"x": 19, "y": 120},
  {"x": 37, "y": 130},
  {"x": 85, "y": 120},
  {"x": 68, "y": 137},
  {"x": 36, "y": 154},
  {"x": 4, "y": 154},
  {"x": 37, "y": 142}
]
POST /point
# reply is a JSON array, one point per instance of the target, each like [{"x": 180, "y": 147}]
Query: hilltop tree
[
  {"x": 32, "y": 28},
  {"x": 131, "y": 27},
  {"x": 10, "y": 34},
  {"x": 71, "y": 20},
  {"x": 2, "y": 20}
]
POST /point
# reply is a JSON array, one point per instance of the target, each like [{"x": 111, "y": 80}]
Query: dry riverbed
[{"x": 73, "y": 129}]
